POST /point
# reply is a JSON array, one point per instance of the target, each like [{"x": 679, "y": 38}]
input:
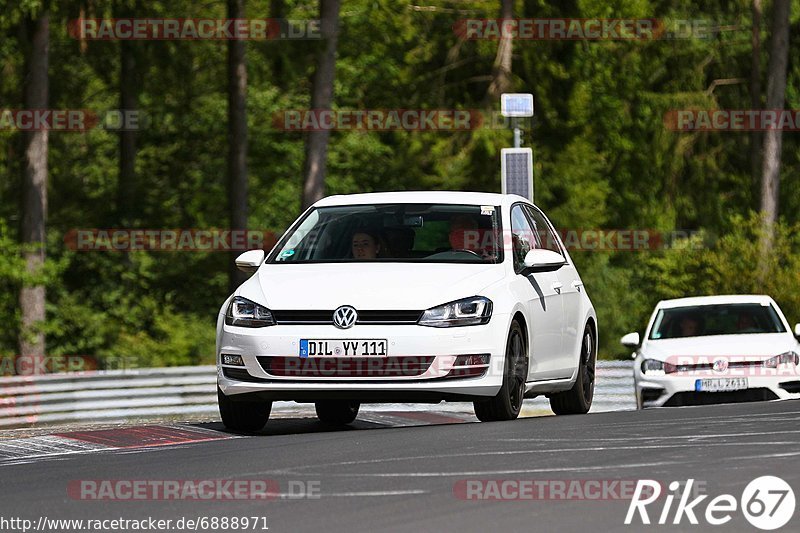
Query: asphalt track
[{"x": 407, "y": 474}]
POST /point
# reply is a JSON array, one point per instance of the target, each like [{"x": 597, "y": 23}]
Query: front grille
[
  {"x": 346, "y": 367},
  {"x": 707, "y": 398},
  {"x": 710, "y": 366},
  {"x": 364, "y": 317}
]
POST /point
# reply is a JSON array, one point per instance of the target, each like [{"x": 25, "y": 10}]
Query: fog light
[
  {"x": 469, "y": 366},
  {"x": 233, "y": 360},
  {"x": 470, "y": 360}
]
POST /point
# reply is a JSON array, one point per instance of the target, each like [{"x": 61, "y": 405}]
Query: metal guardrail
[
  {"x": 107, "y": 395},
  {"x": 119, "y": 395}
]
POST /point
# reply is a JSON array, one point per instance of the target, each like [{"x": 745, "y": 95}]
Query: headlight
[
  {"x": 243, "y": 312},
  {"x": 466, "y": 312},
  {"x": 654, "y": 367},
  {"x": 788, "y": 358},
  {"x": 651, "y": 366}
]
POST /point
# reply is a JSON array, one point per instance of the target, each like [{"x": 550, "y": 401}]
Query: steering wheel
[{"x": 473, "y": 252}]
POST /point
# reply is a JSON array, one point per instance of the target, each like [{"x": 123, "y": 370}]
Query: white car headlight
[
  {"x": 788, "y": 358},
  {"x": 654, "y": 367},
  {"x": 243, "y": 312},
  {"x": 466, "y": 312}
]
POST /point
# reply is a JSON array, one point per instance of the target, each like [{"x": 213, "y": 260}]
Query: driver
[
  {"x": 745, "y": 323},
  {"x": 465, "y": 234},
  {"x": 689, "y": 326}
]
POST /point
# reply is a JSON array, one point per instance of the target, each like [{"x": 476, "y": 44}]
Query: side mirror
[
  {"x": 797, "y": 330},
  {"x": 631, "y": 340},
  {"x": 541, "y": 260},
  {"x": 250, "y": 261}
]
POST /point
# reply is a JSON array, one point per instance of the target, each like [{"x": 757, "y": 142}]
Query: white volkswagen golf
[
  {"x": 715, "y": 349},
  {"x": 408, "y": 297}
]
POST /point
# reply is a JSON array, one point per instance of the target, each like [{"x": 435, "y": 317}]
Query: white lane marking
[
  {"x": 707, "y": 420},
  {"x": 514, "y": 471},
  {"x": 769, "y": 456},
  {"x": 665, "y": 437},
  {"x": 543, "y": 470},
  {"x": 373, "y": 493},
  {"x": 561, "y": 469},
  {"x": 296, "y": 469}
]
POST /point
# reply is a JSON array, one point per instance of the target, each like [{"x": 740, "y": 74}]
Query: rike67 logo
[{"x": 767, "y": 502}]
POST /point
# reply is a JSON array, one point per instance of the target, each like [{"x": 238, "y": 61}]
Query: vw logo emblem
[
  {"x": 720, "y": 365},
  {"x": 345, "y": 317}
]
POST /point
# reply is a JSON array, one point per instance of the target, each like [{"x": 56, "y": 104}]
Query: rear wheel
[
  {"x": 247, "y": 416},
  {"x": 578, "y": 400},
  {"x": 337, "y": 412},
  {"x": 508, "y": 402}
]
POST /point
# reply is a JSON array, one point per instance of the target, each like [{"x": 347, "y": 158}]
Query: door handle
[
  {"x": 557, "y": 285},
  {"x": 577, "y": 285}
]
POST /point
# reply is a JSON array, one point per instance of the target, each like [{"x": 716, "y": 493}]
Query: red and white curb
[{"x": 28, "y": 449}]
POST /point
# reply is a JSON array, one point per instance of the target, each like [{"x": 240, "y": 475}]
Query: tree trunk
[
  {"x": 755, "y": 91},
  {"x": 237, "y": 137},
  {"x": 321, "y": 98},
  {"x": 277, "y": 11},
  {"x": 776, "y": 95},
  {"x": 34, "y": 194},
  {"x": 501, "y": 70},
  {"x": 127, "y": 190}
]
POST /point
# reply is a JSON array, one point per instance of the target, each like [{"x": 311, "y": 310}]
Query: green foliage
[{"x": 703, "y": 265}]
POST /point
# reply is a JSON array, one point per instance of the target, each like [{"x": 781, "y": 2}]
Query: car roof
[
  {"x": 715, "y": 300},
  {"x": 422, "y": 197}
]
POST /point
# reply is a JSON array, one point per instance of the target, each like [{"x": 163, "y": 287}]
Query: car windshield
[
  {"x": 441, "y": 233},
  {"x": 725, "y": 319}
]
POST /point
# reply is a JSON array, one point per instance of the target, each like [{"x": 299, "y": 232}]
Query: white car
[
  {"x": 715, "y": 349},
  {"x": 408, "y": 297}
]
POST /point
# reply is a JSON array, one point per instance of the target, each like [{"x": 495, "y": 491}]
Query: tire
[
  {"x": 508, "y": 402},
  {"x": 578, "y": 400},
  {"x": 249, "y": 416},
  {"x": 337, "y": 412}
]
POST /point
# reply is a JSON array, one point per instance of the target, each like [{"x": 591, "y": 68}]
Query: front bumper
[
  {"x": 680, "y": 389},
  {"x": 408, "y": 342}
]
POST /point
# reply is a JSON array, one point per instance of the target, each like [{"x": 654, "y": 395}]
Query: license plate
[
  {"x": 343, "y": 347},
  {"x": 720, "y": 385}
]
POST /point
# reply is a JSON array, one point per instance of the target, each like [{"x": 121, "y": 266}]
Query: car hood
[
  {"x": 406, "y": 286},
  {"x": 754, "y": 344}
]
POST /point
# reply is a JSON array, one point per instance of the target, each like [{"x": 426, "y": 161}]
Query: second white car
[{"x": 715, "y": 349}]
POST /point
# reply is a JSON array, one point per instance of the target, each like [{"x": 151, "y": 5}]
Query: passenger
[{"x": 365, "y": 244}]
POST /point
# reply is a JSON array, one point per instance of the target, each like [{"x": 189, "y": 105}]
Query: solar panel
[
  {"x": 516, "y": 170},
  {"x": 516, "y": 105}
]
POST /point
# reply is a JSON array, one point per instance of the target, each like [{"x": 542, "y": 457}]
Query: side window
[
  {"x": 544, "y": 235},
  {"x": 522, "y": 237}
]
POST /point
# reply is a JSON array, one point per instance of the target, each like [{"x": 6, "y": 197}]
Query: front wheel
[
  {"x": 337, "y": 412},
  {"x": 249, "y": 416},
  {"x": 508, "y": 402},
  {"x": 578, "y": 400}
]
